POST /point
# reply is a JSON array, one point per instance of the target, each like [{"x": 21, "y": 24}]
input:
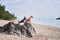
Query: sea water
[{"x": 48, "y": 21}]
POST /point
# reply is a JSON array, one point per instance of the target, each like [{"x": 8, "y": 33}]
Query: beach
[{"x": 43, "y": 32}]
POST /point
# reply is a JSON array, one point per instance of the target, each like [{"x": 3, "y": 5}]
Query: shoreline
[
  {"x": 46, "y": 24},
  {"x": 3, "y": 22}
]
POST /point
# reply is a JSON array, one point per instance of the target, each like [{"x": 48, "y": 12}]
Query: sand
[{"x": 43, "y": 32}]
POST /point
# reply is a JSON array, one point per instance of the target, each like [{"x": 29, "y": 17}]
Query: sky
[{"x": 40, "y": 9}]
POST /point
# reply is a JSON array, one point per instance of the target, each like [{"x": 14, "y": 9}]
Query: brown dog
[{"x": 27, "y": 20}]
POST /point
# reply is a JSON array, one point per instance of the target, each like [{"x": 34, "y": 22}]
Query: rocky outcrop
[{"x": 12, "y": 28}]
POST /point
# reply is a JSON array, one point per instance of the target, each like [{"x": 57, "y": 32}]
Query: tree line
[{"x": 6, "y": 15}]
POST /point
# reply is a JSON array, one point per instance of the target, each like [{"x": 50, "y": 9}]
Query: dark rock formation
[
  {"x": 58, "y": 18},
  {"x": 12, "y": 28}
]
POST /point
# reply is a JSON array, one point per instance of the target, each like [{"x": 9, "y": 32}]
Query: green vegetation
[{"x": 6, "y": 15}]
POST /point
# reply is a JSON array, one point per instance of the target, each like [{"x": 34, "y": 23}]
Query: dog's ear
[{"x": 32, "y": 16}]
